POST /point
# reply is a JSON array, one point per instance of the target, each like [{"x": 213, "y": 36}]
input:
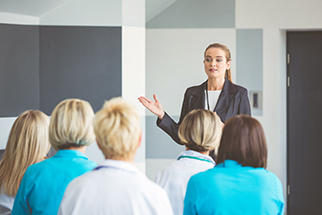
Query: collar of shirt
[
  {"x": 69, "y": 153},
  {"x": 234, "y": 164},
  {"x": 117, "y": 164},
  {"x": 195, "y": 154}
]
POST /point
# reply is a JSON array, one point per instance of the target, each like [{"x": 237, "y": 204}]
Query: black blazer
[{"x": 233, "y": 100}]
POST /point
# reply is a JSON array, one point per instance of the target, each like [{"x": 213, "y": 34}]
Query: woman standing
[
  {"x": 27, "y": 144},
  {"x": 217, "y": 94}
]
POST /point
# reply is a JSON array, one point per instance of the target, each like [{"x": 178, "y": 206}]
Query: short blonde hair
[
  {"x": 200, "y": 130},
  {"x": 71, "y": 124},
  {"x": 117, "y": 129},
  {"x": 27, "y": 144}
]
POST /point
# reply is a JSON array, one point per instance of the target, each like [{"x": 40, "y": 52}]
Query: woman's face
[{"x": 216, "y": 63}]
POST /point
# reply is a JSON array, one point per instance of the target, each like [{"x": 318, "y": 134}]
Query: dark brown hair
[
  {"x": 243, "y": 140},
  {"x": 228, "y": 56}
]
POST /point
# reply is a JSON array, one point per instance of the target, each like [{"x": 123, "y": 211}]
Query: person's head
[
  {"x": 218, "y": 56},
  {"x": 71, "y": 125},
  {"x": 117, "y": 129},
  {"x": 200, "y": 130},
  {"x": 27, "y": 144},
  {"x": 243, "y": 140}
]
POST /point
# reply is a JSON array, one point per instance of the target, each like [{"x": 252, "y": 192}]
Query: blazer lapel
[
  {"x": 226, "y": 96},
  {"x": 197, "y": 100}
]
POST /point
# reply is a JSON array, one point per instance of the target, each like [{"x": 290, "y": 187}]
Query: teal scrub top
[
  {"x": 44, "y": 183},
  {"x": 229, "y": 188}
]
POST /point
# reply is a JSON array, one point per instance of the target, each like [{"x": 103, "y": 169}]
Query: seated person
[
  {"x": 44, "y": 183},
  {"x": 27, "y": 144},
  {"x": 200, "y": 132},
  {"x": 115, "y": 187},
  {"x": 239, "y": 183}
]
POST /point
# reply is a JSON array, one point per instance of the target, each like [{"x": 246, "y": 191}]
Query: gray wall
[
  {"x": 42, "y": 65},
  {"x": 19, "y": 69}
]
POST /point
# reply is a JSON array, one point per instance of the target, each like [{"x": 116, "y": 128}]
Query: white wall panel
[
  {"x": 133, "y": 75},
  {"x": 5, "y": 127}
]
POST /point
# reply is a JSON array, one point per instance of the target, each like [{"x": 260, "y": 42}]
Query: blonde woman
[
  {"x": 27, "y": 144},
  {"x": 116, "y": 187},
  {"x": 200, "y": 132},
  {"x": 43, "y": 185}
]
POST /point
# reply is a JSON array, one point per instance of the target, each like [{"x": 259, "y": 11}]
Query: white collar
[
  {"x": 197, "y": 155},
  {"x": 117, "y": 164}
]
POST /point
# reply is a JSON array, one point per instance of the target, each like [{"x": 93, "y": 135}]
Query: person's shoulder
[
  {"x": 235, "y": 87},
  {"x": 196, "y": 88}
]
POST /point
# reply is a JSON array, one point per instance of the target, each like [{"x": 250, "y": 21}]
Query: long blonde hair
[{"x": 27, "y": 144}]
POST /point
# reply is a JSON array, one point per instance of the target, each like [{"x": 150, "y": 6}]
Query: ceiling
[{"x": 38, "y": 8}]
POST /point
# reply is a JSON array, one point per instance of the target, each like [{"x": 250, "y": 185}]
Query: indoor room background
[{"x": 96, "y": 50}]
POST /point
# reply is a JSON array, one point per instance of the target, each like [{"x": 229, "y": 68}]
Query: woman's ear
[{"x": 98, "y": 145}]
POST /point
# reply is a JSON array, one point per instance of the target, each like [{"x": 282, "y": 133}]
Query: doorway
[{"x": 304, "y": 123}]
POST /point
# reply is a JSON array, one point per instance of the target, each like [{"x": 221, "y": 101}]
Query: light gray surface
[
  {"x": 158, "y": 143},
  {"x": 196, "y": 14},
  {"x": 79, "y": 62},
  {"x": 249, "y": 46},
  {"x": 19, "y": 69}
]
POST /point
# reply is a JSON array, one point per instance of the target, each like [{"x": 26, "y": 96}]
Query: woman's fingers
[{"x": 155, "y": 98}]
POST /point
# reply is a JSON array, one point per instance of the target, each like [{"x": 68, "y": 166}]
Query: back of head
[
  {"x": 117, "y": 129},
  {"x": 71, "y": 124},
  {"x": 27, "y": 144},
  {"x": 243, "y": 140},
  {"x": 200, "y": 130}
]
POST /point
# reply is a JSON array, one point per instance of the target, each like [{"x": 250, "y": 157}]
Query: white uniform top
[
  {"x": 213, "y": 97},
  {"x": 6, "y": 202},
  {"x": 174, "y": 178},
  {"x": 114, "y": 188}
]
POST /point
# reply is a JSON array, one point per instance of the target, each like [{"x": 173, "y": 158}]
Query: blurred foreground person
[
  {"x": 116, "y": 187},
  {"x": 44, "y": 183},
  {"x": 239, "y": 183},
  {"x": 27, "y": 144},
  {"x": 200, "y": 132}
]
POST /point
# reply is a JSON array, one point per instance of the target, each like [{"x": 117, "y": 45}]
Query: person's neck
[
  {"x": 204, "y": 153},
  {"x": 215, "y": 84},
  {"x": 128, "y": 160},
  {"x": 81, "y": 149}
]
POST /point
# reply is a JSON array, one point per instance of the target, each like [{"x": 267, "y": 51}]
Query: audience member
[
  {"x": 116, "y": 187},
  {"x": 27, "y": 144},
  {"x": 239, "y": 183},
  {"x": 200, "y": 132},
  {"x": 44, "y": 183}
]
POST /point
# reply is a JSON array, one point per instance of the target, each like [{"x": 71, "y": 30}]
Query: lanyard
[
  {"x": 100, "y": 167},
  {"x": 196, "y": 158},
  {"x": 207, "y": 95}
]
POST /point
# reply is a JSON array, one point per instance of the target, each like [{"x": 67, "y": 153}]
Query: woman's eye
[
  {"x": 208, "y": 60},
  {"x": 219, "y": 60}
]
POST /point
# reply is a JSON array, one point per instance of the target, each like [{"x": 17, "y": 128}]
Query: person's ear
[
  {"x": 228, "y": 63},
  {"x": 98, "y": 145},
  {"x": 140, "y": 140}
]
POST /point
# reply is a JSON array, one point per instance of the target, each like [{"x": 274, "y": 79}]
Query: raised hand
[{"x": 154, "y": 106}]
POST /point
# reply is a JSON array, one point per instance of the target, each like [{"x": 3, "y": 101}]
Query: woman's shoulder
[
  {"x": 200, "y": 87},
  {"x": 232, "y": 87}
]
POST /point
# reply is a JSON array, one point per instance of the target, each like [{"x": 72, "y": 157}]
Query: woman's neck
[
  {"x": 81, "y": 149},
  {"x": 215, "y": 84},
  {"x": 204, "y": 153}
]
